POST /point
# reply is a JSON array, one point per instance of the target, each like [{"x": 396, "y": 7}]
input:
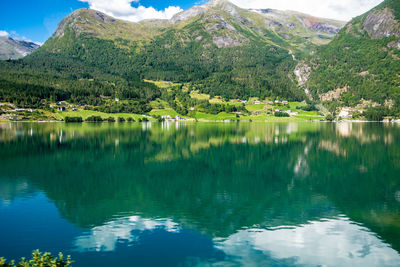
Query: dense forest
[
  {"x": 45, "y": 77},
  {"x": 367, "y": 66}
]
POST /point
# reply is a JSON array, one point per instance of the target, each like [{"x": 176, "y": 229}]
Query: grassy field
[
  {"x": 163, "y": 112},
  {"x": 163, "y": 84},
  {"x": 258, "y": 107},
  {"x": 293, "y": 106},
  {"x": 198, "y": 96},
  {"x": 214, "y": 100},
  {"x": 210, "y": 117},
  {"x": 280, "y": 119},
  {"x": 227, "y": 116},
  {"x": 201, "y": 116},
  {"x": 158, "y": 103},
  {"x": 87, "y": 113}
]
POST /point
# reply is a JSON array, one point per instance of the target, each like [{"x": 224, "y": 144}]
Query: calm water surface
[{"x": 175, "y": 194}]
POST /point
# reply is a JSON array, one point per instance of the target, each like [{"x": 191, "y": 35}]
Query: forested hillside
[
  {"x": 218, "y": 49},
  {"x": 363, "y": 60}
]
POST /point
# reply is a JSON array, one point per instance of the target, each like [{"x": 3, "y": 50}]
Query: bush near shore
[{"x": 39, "y": 259}]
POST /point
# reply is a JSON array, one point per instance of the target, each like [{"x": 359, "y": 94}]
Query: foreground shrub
[
  {"x": 120, "y": 119},
  {"x": 281, "y": 114},
  {"x": 110, "y": 119},
  {"x": 94, "y": 119},
  {"x": 39, "y": 259},
  {"x": 375, "y": 114},
  {"x": 309, "y": 107},
  {"x": 329, "y": 117},
  {"x": 130, "y": 119},
  {"x": 73, "y": 119}
]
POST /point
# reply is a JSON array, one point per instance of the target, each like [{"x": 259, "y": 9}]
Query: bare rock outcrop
[
  {"x": 222, "y": 24},
  {"x": 394, "y": 45},
  {"x": 187, "y": 14},
  {"x": 381, "y": 24},
  {"x": 333, "y": 95},
  {"x": 225, "y": 41},
  {"x": 303, "y": 72}
]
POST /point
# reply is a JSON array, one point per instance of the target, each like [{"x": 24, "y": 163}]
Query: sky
[{"x": 37, "y": 20}]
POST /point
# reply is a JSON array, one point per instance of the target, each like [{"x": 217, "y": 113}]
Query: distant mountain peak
[
  {"x": 221, "y": 5},
  {"x": 81, "y": 16},
  {"x": 15, "y": 49}
]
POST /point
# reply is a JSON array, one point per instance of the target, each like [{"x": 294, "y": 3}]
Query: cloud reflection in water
[
  {"x": 105, "y": 237},
  {"x": 332, "y": 242}
]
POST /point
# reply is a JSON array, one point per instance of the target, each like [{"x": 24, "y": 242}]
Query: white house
[
  {"x": 345, "y": 113},
  {"x": 178, "y": 118}
]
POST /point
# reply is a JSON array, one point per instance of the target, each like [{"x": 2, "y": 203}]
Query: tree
[
  {"x": 375, "y": 114},
  {"x": 73, "y": 119},
  {"x": 329, "y": 117}
]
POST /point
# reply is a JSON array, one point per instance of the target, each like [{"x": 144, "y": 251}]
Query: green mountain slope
[
  {"x": 363, "y": 61},
  {"x": 217, "y": 48}
]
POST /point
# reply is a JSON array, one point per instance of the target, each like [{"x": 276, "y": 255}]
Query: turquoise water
[{"x": 176, "y": 194}]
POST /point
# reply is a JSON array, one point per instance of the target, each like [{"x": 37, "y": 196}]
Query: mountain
[
  {"x": 15, "y": 49},
  {"x": 362, "y": 64},
  {"x": 217, "y": 48},
  {"x": 289, "y": 24}
]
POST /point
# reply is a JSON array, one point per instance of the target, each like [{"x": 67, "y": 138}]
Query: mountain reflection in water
[{"x": 228, "y": 193}]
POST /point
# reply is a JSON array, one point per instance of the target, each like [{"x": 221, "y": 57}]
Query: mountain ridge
[{"x": 213, "y": 7}]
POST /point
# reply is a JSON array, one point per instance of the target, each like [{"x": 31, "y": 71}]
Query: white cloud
[
  {"x": 3, "y": 34},
  {"x": 334, "y": 9},
  {"x": 122, "y": 9}
]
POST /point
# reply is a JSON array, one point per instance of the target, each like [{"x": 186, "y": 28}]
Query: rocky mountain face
[
  {"x": 364, "y": 58},
  {"x": 15, "y": 49},
  {"x": 290, "y": 23},
  {"x": 228, "y": 25},
  {"x": 381, "y": 23}
]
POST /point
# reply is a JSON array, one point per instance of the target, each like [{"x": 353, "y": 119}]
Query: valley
[{"x": 217, "y": 50}]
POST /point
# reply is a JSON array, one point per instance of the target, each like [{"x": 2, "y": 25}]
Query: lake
[{"x": 178, "y": 194}]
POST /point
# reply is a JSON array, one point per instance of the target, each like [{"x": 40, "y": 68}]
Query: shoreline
[{"x": 203, "y": 121}]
